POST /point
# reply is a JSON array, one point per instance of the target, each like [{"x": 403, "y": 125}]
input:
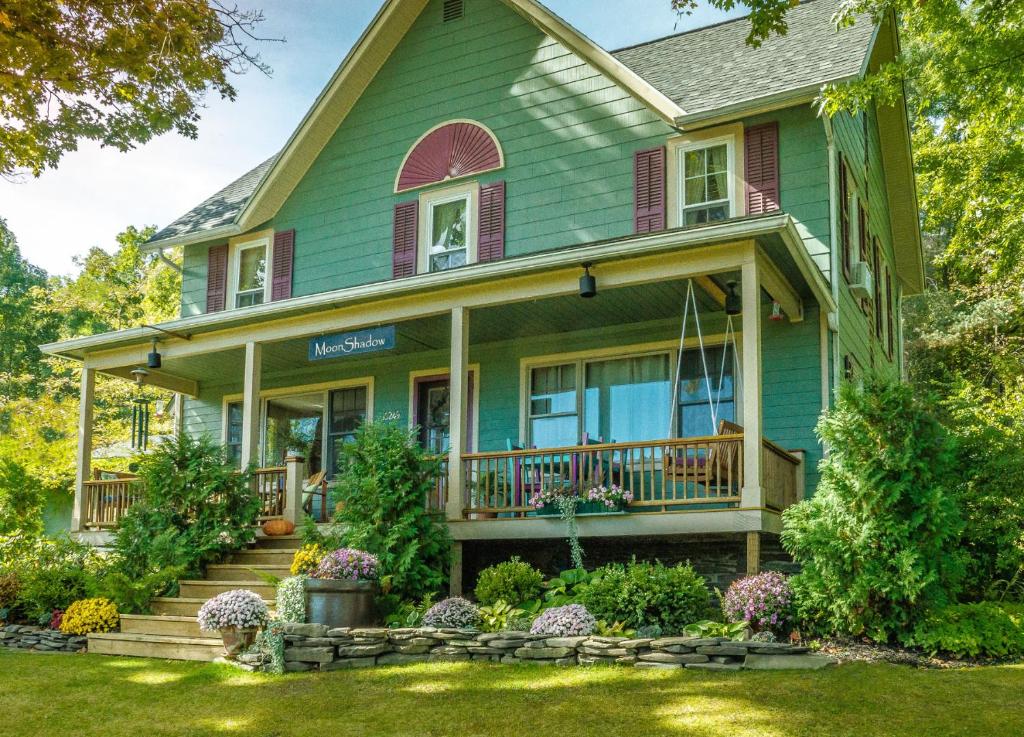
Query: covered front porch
[{"x": 524, "y": 388}]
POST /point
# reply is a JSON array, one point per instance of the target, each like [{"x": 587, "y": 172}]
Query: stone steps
[
  {"x": 206, "y": 589},
  {"x": 156, "y": 646},
  {"x": 244, "y": 573}
]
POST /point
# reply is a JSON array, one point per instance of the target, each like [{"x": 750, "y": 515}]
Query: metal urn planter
[{"x": 340, "y": 603}]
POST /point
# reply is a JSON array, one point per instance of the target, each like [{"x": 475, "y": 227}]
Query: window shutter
[
  {"x": 281, "y": 269},
  {"x": 844, "y": 217},
  {"x": 404, "y": 239},
  {"x": 761, "y": 165},
  {"x": 649, "y": 190},
  {"x": 217, "y": 278},
  {"x": 491, "y": 233}
]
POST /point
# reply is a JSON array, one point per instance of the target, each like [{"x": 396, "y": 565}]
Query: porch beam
[
  {"x": 713, "y": 290},
  {"x": 459, "y": 401},
  {"x": 521, "y": 288},
  {"x": 779, "y": 288},
  {"x": 752, "y": 494},
  {"x": 176, "y": 384},
  {"x": 251, "y": 403},
  {"x": 83, "y": 454}
]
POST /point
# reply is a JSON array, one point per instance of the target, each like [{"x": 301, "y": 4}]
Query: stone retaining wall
[
  {"x": 25, "y": 637},
  {"x": 315, "y": 647}
]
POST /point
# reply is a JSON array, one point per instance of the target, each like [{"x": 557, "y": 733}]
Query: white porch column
[
  {"x": 458, "y": 403},
  {"x": 752, "y": 495},
  {"x": 295, "y": 479},
  {"x": 251, "y": 404},
  {"x": 83, "y": 457}
]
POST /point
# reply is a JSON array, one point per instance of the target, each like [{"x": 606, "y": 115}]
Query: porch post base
[
  {"x": 455, "y": 579},
  {"x": 295, "y": 476},
  {"x": 753, "y": 553}
]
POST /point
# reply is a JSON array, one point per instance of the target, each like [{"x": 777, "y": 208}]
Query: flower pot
[
  {"x": 237, "y": 640},
  {"x": 340, "y": 603},
  {"x": 600, "y": 508}
]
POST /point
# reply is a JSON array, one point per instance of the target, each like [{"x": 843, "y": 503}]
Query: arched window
[{"x": 458, "y": 148}]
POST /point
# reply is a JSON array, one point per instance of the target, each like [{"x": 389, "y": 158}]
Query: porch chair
[
  {"x": 315, "y": 486},
  {"x": 522, "y": 488},
  {"x": 713, "y": 470}
]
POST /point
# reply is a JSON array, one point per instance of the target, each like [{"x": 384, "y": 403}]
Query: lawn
[{"x": 85, "y": 695}]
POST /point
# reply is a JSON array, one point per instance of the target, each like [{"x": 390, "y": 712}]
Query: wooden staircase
[{"x": 172, "y": 631}]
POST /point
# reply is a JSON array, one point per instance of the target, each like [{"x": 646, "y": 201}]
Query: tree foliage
[
  {"x": 383, "y": 490},
  {"x": 878, "y": 542},
  {"x": 114, "y": 72}
]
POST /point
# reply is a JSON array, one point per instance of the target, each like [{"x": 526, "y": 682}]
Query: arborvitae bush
[{"x": 512, "y": 582}]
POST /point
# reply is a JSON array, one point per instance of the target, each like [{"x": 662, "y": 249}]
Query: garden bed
[{"x": 869, "y": 652}]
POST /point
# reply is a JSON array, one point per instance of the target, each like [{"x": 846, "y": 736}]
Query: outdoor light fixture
[
  {"x": 776, "y": 315},
  {"x": 588, "y": 284},
  {"x": 154, "y": 359},
  {"x": 733, "y": 302}
]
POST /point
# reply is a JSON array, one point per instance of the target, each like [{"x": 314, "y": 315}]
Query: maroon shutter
[
  {"x": 844, "y": 217},
  {"x": 404, "y": 239},
  {"x": 281, "y": 269},
  {"x": 491, "y": 233},
  {"x": 217, "y": 278},
  {"x": 649, "y": 190},
  {"x": 761, "y": 164}
]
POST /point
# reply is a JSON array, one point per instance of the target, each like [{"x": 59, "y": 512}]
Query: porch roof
[{"x": 775, "y": 234}]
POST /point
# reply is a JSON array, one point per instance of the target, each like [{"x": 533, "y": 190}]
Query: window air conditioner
[{"x": 861, "y": 284}]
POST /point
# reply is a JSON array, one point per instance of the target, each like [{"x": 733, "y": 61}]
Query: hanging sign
[{"x": 371, "y": 340}]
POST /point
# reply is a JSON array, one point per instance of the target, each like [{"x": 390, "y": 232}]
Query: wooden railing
[
  {"x": 780, "y": 476},
  {"x": 437, "y": 499},
  {"x": 268, "y": 484},
  {"x": 104, "y": 501},
  {"x": 661, "y": 474}
]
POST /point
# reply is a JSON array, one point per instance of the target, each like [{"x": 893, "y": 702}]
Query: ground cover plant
[{"x": 480, "y": 699}]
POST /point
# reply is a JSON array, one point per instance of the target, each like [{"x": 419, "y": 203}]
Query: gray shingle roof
[
  {"x": 700, "y": 70},
  {"x": 711, "y": 68},
  {"x": 220, "y": 209}
]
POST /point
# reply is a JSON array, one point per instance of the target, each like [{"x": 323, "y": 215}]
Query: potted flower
[
  {"x": 551, "y": 502},
  {"x": 341, "y": 591},
  {"x": 237, "y": 615},
  {"x": 602, "y": 500}
]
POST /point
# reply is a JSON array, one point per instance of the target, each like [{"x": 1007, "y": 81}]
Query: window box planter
[
  {"x": 340, "y": 603},
  {"x": 588, "y": 508}
]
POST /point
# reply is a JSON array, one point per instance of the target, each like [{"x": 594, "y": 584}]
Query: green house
[{"x": 567, "y": 268}]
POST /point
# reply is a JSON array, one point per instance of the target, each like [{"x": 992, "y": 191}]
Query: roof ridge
[{"x": 688, "y": 31}]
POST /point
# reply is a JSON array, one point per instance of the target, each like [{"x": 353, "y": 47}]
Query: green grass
[{"x": 85, "y": 695}]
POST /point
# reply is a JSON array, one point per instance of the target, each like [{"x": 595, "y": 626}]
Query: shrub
[
  {"x": 133, "y": 596},
  {"x": 640, "y": 594},
  {"x": 54, "y": 573},
  {"x": 348, "y": 564},
  {"x": 571, "y": 620},
  {"x": 236, "y": 608},
  {"x": 291, "y": 599},
  {"x": 22, "y": 499},
  {"x": 989, "y": 429},
  {"x": 410, "y": 613},
  {"x": 764, "y": 601},
  {"x": 89, "y": 615},
  {"x": 10, "y": 587},
  {"x": 878, "y": 541},
  {"x": 454, "y": 612},
  {"x": 983, "y": 629},
  {"x": 386, "y": 478},
  {"x": 194, "y": 508},
  {"x": 498, "y": 616},
  {"x": 512, "y": 581},
  {"x": 307, "y": 558}
]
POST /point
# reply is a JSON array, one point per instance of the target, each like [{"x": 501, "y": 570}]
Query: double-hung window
[
  {"x": 250, "y": 273},
  {"x": 448, "y": 227},
  {"x": 347, "y": 412},
  {"x": 705, "y": 182}
]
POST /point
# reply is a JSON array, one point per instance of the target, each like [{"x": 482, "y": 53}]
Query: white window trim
[
  {"x": 235, "y": 248},
  {"x": 732, "y": 136},
  {"x": 325, "y": 387},
  {"x": 469, "y": 191},
  {"x": 474, "y": 371},
  {"x": 671, "y": 347}
]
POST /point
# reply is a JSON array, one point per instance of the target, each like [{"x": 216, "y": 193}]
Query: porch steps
[
  {"x": 156, "y": 646},
  {"x": 172, "y": 631}
]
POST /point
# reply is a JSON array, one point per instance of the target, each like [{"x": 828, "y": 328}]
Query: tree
[{"x": 114, "y": 72}]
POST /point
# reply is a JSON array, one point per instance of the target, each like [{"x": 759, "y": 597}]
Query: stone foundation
[
  {"x": 315, "y": 647},
  {"x": 25, "y": 637}
]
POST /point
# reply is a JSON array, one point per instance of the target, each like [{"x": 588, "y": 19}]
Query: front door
[{"x": 432, "y": 400}]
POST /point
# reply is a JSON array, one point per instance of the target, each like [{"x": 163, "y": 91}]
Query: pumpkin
[{"x": 276, "y": 527}]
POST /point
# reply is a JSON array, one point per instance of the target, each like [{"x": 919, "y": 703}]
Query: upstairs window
[
  {"x": 448, "y": 227},
  {"x": 250, "y": 274},
  {"x": 705, "y": 182}
]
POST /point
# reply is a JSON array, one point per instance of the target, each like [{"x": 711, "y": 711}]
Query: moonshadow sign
[{"x": 338, "y": 345}]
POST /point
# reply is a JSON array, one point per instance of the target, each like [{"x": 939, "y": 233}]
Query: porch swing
[{"x": 712, "y": 470}]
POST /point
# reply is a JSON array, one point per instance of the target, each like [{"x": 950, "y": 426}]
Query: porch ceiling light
[
  {"x": 154, "y": 359},
  {"x": 733, "y": 301},
  {"x": 588, "y": 284}
]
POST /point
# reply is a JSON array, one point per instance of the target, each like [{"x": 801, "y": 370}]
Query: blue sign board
[{"x": 370, "y": 340}]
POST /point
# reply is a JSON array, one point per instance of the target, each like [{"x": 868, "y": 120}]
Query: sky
[{"x": 95, "y": 192}]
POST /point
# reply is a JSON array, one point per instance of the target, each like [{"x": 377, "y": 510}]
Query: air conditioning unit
[{"x": 861, "y": 281}]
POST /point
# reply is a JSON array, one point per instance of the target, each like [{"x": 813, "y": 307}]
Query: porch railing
[
  {"x": 437, "y": 499},
  {"x": 780, "y": 476},
  {"x": 105, "y": 501},
  {"x": 269, "y": 486},
  {"x": 661, "y": 474}
]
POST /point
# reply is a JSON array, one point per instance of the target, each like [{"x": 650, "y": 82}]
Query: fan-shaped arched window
[{"x": 451, "y": 150}]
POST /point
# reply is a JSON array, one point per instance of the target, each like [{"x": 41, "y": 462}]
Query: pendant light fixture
[
  {"x": 733, "y": 301},
  {"x": 588, "y": 284}
]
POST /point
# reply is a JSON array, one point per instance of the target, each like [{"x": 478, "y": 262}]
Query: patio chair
[
  {"x": 718, "y": 470},
  {"x": 315, "y": 486}
]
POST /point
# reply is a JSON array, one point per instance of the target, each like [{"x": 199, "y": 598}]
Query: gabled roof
[
  {"x": 685, "y": 78},
  {"x": 711, "y": 70}
]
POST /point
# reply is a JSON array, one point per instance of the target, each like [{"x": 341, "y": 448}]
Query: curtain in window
[
  {"x": 628, "y": 399},
  {"x": 553, "y": 418},
  {"x": 695, "y": 418}
]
